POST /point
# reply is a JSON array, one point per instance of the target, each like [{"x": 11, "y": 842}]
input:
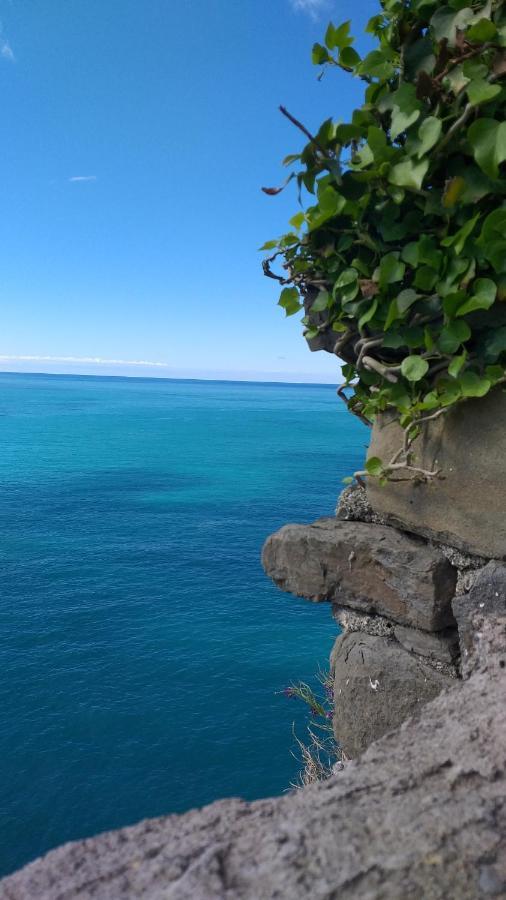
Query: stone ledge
[{"x": 368, "y": 567}]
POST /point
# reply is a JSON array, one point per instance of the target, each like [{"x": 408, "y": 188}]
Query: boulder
[
  {"x": 465, "y": 507},
  {"x": 422, "y": 814},
  {"x": 440, "y": 647},
  {"x": 486, "y": 599},
  {"x": 370, "y": 568},
  {"x": 377, "y": 685}
]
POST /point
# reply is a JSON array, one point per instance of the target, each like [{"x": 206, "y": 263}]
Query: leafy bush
[{"x": 399, "y": 258}]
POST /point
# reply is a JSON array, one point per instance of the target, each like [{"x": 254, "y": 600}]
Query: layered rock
[
  {"x": 392, "y": 595},
  {"x": 370, "y": 568},
  {"x": 422, "y": 815}
]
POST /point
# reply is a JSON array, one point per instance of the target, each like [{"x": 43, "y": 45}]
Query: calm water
[{"x": 142, "y": 645}]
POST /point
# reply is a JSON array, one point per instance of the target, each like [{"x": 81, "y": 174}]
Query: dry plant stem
[
  {"x": 400, "y": 461},
  {"x": 302, "y": 128}
]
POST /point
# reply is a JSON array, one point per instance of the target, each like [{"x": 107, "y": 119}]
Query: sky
[{"x": 137, "y": 135}]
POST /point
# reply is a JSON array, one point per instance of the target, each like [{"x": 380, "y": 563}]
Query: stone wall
[{"x": 400, "y": 601}]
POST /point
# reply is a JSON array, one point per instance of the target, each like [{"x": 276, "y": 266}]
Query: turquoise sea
[{"x": 143, "y": 647}]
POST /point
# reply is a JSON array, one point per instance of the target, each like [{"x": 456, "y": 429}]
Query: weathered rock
[
  {"x": 440, "y": 646},
  {"x": 422, "y": 815},
  {"x": 352, "y": 621},
  {"x": 377, "y": 685},
  {"x": 371, "y": 568},
  {"x": 466, "y": 507},
  {"x": 487, "y": 598},
  {"x": 353, "y": 506}
]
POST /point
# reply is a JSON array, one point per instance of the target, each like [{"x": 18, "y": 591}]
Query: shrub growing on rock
[{"x": 398, "y": 259}]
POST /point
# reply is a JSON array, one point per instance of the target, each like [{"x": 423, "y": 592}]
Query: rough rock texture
[
  {"x": 371, "y": 568},
  {"x": 353, "y": 506},
  {"x": 421, "y": 816},
  {"x": 352, "y": 621},
  {"x": 487, "y": 598},
  {"x": 466, "y": 507},
  {"x": 442, "y": 646},
  {"x": 377, "y": 685}
]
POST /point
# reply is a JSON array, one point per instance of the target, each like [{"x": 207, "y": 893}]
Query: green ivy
[{"x": 398, "y": 255}]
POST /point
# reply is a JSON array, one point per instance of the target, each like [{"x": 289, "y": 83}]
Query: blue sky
[{"x": 136, "y": 137}]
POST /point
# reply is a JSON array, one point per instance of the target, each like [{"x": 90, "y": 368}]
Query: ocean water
[{"x": 143, "y": 647}]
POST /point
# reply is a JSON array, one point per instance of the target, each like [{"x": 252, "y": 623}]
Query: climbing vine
[{"x": 397, "y": 256}]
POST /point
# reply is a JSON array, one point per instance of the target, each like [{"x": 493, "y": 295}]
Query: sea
[{"x": 144, "y": 652}]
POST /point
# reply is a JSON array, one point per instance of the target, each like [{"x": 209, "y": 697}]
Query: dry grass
[{"x": 320, "y": 755}]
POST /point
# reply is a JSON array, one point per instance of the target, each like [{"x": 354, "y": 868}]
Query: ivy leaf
[
  {"x": 481, "y": 91},
  {"x": 454, "y": 189},
  {"x": 446, "y": 23},
  {"x": 338, "y": 37},
  {"x": 473, "y": 385},
  {"x": 290, "y": 301},
  {"x": 269, "y": 245},
  {"x": 495, "y": 344},
  {"x": 456, "y": 364},
  {"x": 485, "y": 291},
  {"x": 428, "y": 133},
  {"x": 488, "y": 140},
  {"x": 494, "y": 226},
  {"x": 482, "y": 31},
  {"x": 458, "y": 240},
  {"x": 349, "y": 58},
  {"x": 367, "y": 316},
  {"x": 391, "y": 269},
  {"x": 401, "y": 121},
  {"x": 409, "y": 174},
  {"x": 453, "y": 335},
  {"x": 374, "y": 466},
  {"x": 406, "y": 299},
  {"x": 321, "y": 302},
  {"x": 319, "y": 55},
  {"x": 414, "y": 368}
]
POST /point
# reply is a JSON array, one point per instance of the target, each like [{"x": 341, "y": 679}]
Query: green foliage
[{"x": 398, "y": 254}]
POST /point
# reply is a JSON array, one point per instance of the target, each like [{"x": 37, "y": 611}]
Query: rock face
[
  {"x": 466, "y": 507},
  {"x": 377, "y": 685},
  {"x": 487, "y": 598},
  {"x": 370, "y": 568},
  {"x": 421, "y": 815}
]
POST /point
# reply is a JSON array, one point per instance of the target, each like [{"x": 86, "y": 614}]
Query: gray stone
[
  {"x": 465, "y": 507},
  {"x": 421, "y": 815},
  {"x": 377, "y": 685},
  {"x": 352, "y": 621},
  {"x": 353, "y": 506},
  {"x": 440, "y": 646},
  {"x": 486, "y": 599},
  {"x": 370, "y": 568}
]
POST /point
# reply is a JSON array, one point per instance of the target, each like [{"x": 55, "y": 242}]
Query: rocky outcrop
[
  {"x": 421, "y": 815},
  {"x": 370, "y": 568},
  {"x": 377, "y": 685},
  {"x": 465, "y": 507}
]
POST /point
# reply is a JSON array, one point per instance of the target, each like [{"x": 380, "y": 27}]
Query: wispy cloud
[
  {"x": 94, "y": 360},
  {"x": 83, "y": 178},
  {"x": 312, "y": 7},
  {"x": 6, "y": 51}
]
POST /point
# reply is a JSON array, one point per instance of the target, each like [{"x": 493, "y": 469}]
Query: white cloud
[
  {"x": 93, "y": 360},
  {"x": 311, "y": 7},
  {"x": 83, "y": 178},
  {"x": 6, "y": 51}
]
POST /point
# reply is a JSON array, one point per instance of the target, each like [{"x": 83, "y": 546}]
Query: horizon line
[{"x": 172, "y": 378}]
